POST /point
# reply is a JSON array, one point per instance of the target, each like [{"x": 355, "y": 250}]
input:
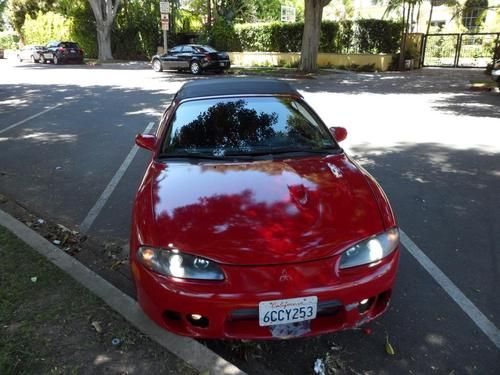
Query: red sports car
[{"x": 252, "y": 223}]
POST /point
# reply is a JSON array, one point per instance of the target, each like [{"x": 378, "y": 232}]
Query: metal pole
[{"x": 165, "y": 49}]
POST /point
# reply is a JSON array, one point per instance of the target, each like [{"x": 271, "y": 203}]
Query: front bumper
[{"x": 230, "y": 307}]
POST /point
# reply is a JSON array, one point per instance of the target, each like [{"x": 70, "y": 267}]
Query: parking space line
[
  {"x": 29, "y": 118},
  {"x": 484, "y": 324},
  {"x": 96, "y": 209}
]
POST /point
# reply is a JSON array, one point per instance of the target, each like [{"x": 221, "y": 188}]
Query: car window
[
  {"x": 208, "y": 49},
  {"x": 245, "y": 126},
  {"x": 188, "y": 49},
  {"x": 176, "y": 49},
  {"x": 199, "y": 49},
  {"x": 71, "y": 45}
]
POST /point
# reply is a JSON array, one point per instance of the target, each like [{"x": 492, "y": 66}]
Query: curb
[{"x": 187, "y": 349}]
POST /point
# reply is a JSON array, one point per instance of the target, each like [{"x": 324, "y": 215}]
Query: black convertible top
[{"x": 234, "y": 87}]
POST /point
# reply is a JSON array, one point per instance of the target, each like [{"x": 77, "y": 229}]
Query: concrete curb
[{"x": 189, "y": 350}]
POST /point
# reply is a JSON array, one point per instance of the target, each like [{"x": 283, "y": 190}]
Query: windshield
[{"x": 245, "y": 126}]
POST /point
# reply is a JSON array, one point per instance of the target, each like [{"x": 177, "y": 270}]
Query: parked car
[
  {"x": 31, "y": 53},
  {"x": 192, "y": 57},
  {"x": 495, "y": 72},
  {"x": 251, "y": 222},
  {"x": 63, "y": 52}
]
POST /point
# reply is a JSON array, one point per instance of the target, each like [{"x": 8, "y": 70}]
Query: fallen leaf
[{"x": 97, "y": 326}]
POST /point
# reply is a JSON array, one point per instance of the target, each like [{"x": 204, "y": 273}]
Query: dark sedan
[
  {"x": 63, "y": 52},
  {"x": 193, "y": 57}
]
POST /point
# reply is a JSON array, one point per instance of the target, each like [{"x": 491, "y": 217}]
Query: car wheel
[
  {"x": 157, "y": 65},
  {"x": 19, "y": 58},
  {"x": 56, "y": 60},
  {"x": 42, "y": 59},
  {"x": 195, "y": 67}
]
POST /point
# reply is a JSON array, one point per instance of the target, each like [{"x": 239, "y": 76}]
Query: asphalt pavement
[{"x": 430, "y": 141}]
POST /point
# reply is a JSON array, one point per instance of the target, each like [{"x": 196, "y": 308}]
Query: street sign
[
  {"x": 164, "y": 17},
  {"x": 164, "y": 7},
  {"x": 164, "y": 24}
]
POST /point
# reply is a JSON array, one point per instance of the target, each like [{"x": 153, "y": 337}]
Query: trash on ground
[
  {"x": 319, "y": 367},
  {"x": 40, "y": 221},
  {"x": 116, "y": 342},
  {"x": 97, "y": 326},
  {"x": 388, "y": 347},
  {"x": 56, "y": 242},
  {"x": 34, "y": 279}
]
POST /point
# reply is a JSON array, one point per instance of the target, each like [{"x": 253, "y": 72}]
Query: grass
[{"x": 46, "y": 323}]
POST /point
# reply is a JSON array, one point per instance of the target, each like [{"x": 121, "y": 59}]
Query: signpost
[{"x": 164, "y": 10}]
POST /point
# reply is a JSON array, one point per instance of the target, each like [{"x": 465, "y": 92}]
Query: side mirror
[
  {"x": 147, "y": 141},
  {"x": 339, "y": 133}
]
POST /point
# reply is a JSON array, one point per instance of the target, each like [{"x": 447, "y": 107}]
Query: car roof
[{"x": 234, "y": 87}]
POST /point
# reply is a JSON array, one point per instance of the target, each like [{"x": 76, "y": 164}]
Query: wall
[{"x": 381, "y": 61}]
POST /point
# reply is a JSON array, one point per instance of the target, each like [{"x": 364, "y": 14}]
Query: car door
[
  {"x": 185, "y": 57},
  {"x": 169, "y": 60}
]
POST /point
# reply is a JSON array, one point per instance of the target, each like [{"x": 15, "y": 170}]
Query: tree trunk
[
  {"x": 104, "y": 13},
  {"x": 209, "y": 12},
  {"x": 403, "y": 41},
  {"x": 313, "y": 12},
  {"x": 104, "y": 42},
  {"x": 430, "y": 18}
]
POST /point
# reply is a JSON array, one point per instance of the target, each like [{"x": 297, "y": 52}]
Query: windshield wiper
[
  {"x": 280, "y": 151},
  {"x": 191, "y": 155}
]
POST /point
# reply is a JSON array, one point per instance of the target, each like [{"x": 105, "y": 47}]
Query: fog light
[
  {"x": 197, "y": 320},
  {"x": 365, "y": 304}
]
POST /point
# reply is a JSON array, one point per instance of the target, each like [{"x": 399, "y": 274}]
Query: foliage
[
  {"x": 18, "y": 9},
  {"x": 8, "y": 40},
  {"x": 235, "y": 10},
  {"x": 45, "y": 27},
  {"x": 374, "y": 36},
  {"x": 362, "y": 36},
  {"x": 221, "y": 36}
]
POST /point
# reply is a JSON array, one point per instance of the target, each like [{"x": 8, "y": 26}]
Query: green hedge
[{"x": 362, "y": 36}]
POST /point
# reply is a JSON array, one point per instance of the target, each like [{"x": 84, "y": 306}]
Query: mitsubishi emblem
[{"x": 285, "y": 276}]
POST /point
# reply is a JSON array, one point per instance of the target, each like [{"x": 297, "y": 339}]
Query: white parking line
[
  {"x": 29, "y": 118},
  {"x": 484, "y": 324},
  {"x": 94, "y": 211}
]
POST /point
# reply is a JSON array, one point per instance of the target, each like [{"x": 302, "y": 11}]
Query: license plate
[
  {"x": 47, "y": 55},
  {"x": 284, "y": 311},
  {"x": 72, "y": 51},
  {"x": 222, "y": 64}
]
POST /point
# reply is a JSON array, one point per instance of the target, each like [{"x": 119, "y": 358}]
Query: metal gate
[{"x": 467, "y": 50}]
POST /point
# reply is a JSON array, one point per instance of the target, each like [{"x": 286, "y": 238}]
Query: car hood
[{"x": 269, "y": 212}]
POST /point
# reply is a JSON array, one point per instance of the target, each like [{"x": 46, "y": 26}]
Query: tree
[
  {"x": 313, "y": 12},
  {"x": 104, "y": 13}
]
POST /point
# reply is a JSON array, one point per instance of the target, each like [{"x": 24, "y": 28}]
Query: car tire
[
  {"x": 157, "y": 67},
  {"x": 42, "y": 59},
  {"x": 19, "y": 58},
  {"x": 195, "y": 67},
  {"x": 56, "y": 60}
]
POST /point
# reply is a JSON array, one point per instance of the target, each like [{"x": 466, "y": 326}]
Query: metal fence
[{"x": 467, "y": 50}]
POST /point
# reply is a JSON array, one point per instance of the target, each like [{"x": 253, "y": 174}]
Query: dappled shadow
[{"x": 448, "y": 89}]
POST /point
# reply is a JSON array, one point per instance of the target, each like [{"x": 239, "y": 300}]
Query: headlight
[
  {"x": 370, "y": 250},
  {"x": 173, "y": 263}
]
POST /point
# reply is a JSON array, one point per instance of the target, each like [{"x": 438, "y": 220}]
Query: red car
[{"x": 252, "y": 223}]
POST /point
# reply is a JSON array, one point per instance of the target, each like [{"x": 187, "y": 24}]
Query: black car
[
  {"x": 63, "y": 52},
  {"x": 193, "y": 57}
]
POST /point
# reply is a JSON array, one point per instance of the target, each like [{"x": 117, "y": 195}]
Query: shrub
[
  {"x": 363, "y": 36},
  {"x": 8, "y": 40},
  {"x": 46, "y": 27}
]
